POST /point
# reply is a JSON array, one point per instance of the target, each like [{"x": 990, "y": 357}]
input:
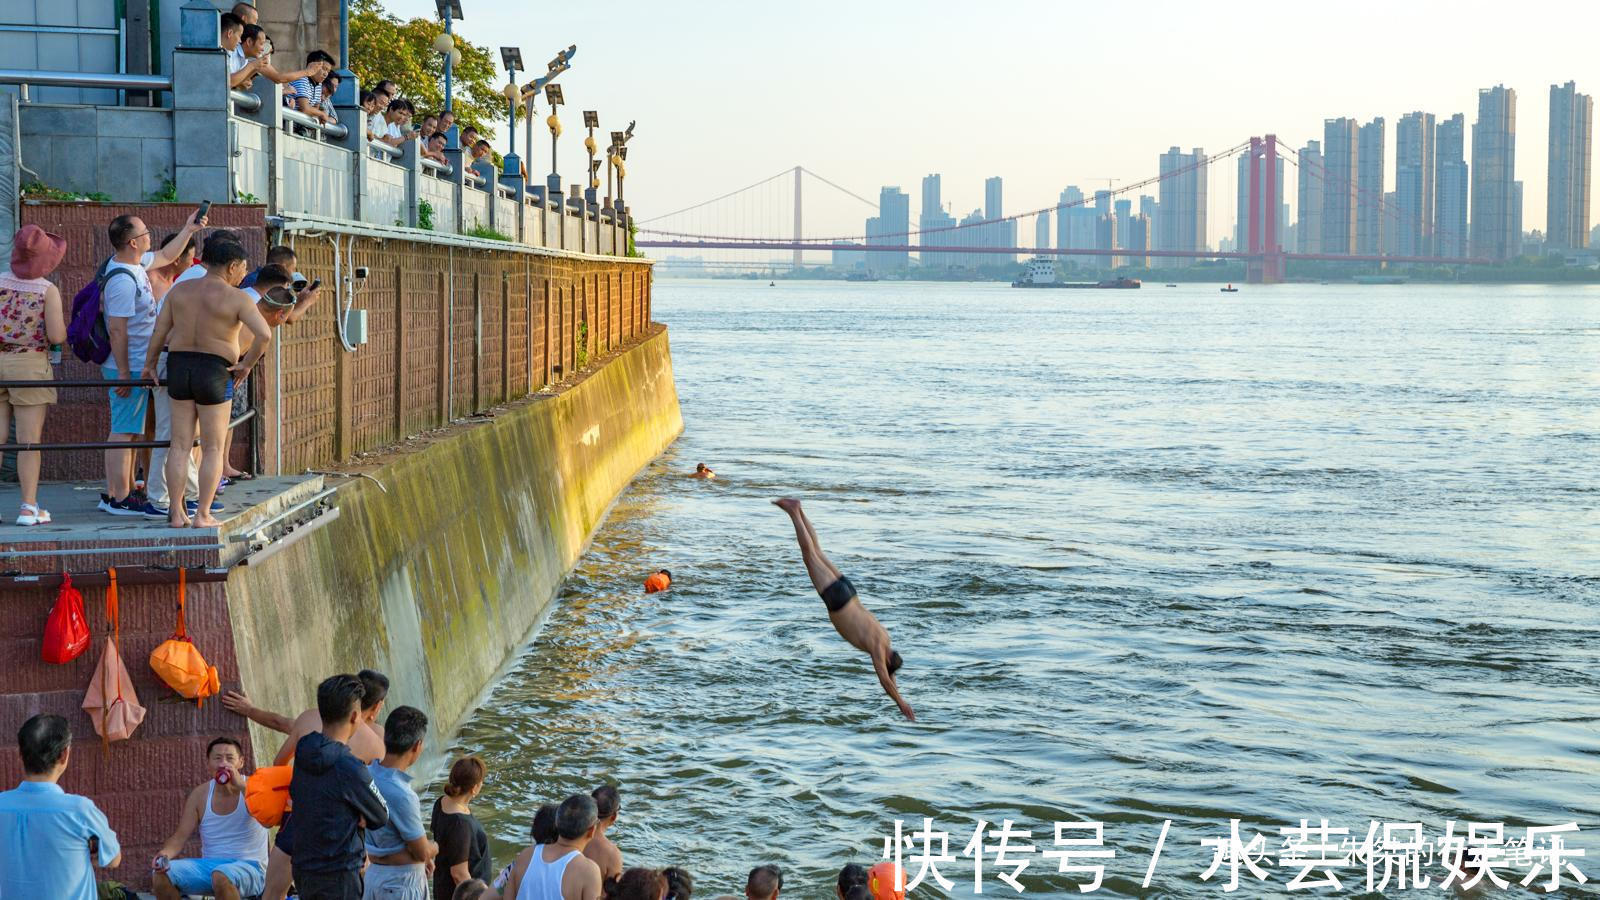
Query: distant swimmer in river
[
  {"x": 657, "y": 582},
  {"x": 701, "y": 470},
  {"x": 852, "y": 620}
]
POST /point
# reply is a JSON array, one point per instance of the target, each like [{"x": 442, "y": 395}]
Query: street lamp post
[
  {"x": 449, "y": 10},
  {"x": 591, "y": 121},
  {"x": 612, "y": 161},
  {"x": 552, "y": 95},
  {"x": 512, "y": 57}
]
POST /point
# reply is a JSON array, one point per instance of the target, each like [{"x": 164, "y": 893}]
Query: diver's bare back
[{"x": 206, "y": 317}]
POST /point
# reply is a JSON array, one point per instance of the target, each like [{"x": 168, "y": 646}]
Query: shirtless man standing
[
  {"x": 852, "y": 620},
  {"x": 366, "y": 742},
  {"x": 199, "y": 327}
]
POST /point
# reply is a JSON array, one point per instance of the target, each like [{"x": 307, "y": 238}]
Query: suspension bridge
[{"x": 761, "y": 211}]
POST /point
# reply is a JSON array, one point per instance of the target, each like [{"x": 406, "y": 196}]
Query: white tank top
[
  {"x": 236, "y": 835},
  {"x": 542, "y": 880}
]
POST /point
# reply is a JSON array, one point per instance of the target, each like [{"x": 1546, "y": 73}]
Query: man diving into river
[{"x": 852, "y": 620}]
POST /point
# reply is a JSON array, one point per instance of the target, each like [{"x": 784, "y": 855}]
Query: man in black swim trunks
[
  {"x": 199, "y": 325},
  {"x": 852, "y": 620}
]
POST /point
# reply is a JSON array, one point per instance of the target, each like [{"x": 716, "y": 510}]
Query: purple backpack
[{"x": 86, "y": 333}]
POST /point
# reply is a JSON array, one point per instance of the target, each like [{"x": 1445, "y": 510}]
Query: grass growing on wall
[{"x": 487, "y": 233}]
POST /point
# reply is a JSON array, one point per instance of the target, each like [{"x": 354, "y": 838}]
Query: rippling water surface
[{"x": 1299, "y": 552}]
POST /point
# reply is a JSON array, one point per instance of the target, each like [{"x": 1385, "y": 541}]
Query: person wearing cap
[
  {"x": 31, "y": 320},
  {"x": 278, "y": 270}
]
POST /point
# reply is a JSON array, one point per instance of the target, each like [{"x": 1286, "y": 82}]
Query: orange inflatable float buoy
[
  {"x": 660, "y": 581},
  {"x": 266, "y": 794},
  {"x": 881, "y": 880}
]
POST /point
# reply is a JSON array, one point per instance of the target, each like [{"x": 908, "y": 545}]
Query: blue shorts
[
  {"x": 127, "y": 413},
  {"x": 193, "y": 876}
]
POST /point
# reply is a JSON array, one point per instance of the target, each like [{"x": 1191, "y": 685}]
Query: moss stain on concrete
[{"x": 438, "y": 581}]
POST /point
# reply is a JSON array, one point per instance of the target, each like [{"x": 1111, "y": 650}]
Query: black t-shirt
[{"x": 460, "y": 839}]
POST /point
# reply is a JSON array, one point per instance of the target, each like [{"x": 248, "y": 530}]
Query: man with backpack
[{"x": 122, "y": 298}]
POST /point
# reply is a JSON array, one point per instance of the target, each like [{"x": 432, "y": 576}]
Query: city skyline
[{"x": 758, "y": 83}]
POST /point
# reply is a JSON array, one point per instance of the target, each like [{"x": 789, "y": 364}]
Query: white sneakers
[{"x": 33, "y": 514}]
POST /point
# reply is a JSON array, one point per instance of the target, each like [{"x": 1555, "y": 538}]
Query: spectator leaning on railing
[
  {"x": 397, "y": 123},
  {"x": 252, "y": 56},
  {"x": 433, "y": 148},
  {"x": 304, "y": 94},
  {"x": 330, "y": 85}
]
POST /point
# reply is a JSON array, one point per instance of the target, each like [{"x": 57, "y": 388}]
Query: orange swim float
[
  {"x": 660, "y": 581},
  {"x": 881, "y": 881}
]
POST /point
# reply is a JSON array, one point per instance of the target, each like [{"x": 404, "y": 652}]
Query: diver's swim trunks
[
  {"x": 838, "y": 594},
  {"x": 201, "y": 377}
]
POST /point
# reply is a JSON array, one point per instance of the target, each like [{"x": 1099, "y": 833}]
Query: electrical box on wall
[{"x": 355, "y": 327}]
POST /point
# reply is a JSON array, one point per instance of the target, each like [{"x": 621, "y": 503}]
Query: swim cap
[{"x": 881, "y": 880}]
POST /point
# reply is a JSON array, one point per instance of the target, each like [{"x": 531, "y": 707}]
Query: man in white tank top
[
  {"x": 560, "y": 871},
  {"x": 233, "y": 845}
]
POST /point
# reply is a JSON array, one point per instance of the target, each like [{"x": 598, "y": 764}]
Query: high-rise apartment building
[
  {"x": 1495, "y": 232},
  {"x": 1370, "y": 213},
  {"x": 1414, "y": 184},
  {"x": 1450, "y": 195},
  {"x": 1074, "y": 221},
  {"x": 1124, "y": 211},
  {"x": 891, "y": 226},
  {"x": 1182, "y": 225},
  {"x": 1308, "y": 227},
  {"x": 1041, "y": 231},
  {"x": 1571, "y": 146},
  {"x": 997, "y": 233},
  {"x": 935, "y": 225},
  {"x": 1339, "y": 154}
]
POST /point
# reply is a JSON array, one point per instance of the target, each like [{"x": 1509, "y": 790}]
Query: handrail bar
[
  {"x": 245, "y": 101},
  {"x": 48, "y": 78},
  {"x": 105, "y": 445},
  {"x": 337, "y": 131}
]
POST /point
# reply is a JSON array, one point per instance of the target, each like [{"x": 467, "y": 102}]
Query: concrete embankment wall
[{"x": 437, "y": 577}]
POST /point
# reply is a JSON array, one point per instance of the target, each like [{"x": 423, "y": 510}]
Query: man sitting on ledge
[{"x": 233, "y": 845}]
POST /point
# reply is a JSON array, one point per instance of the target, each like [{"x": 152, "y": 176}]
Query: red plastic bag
[{"x": 66, "y": 633}]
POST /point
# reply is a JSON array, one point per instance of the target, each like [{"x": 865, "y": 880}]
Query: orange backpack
[
  {"x": 266, "y": 794},
  {"x": 179, "y": 663},
  {"x": 110, "y": 703}
]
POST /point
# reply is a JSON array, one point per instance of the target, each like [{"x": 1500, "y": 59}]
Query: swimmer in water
[
  {"x": 852, "y": 620},
  {"x": 701, "y": 470}
]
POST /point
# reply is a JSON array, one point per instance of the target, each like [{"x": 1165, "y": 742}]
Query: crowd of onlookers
[
  {"x": 390, "y": 119},
  {"x": 132, "y": 288},
  {"x": 350, "y": 826}
]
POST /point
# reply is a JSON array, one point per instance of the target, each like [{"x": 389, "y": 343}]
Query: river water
[{"x": 1166, "y": 555}]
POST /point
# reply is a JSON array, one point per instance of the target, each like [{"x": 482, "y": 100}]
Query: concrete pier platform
[{"x": 78, "y": 527}]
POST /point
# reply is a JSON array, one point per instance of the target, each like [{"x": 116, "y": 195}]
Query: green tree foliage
[{"x": 384, "y": 47}]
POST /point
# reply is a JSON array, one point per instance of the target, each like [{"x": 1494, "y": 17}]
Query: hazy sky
[{"x": 1046, "y": 94}]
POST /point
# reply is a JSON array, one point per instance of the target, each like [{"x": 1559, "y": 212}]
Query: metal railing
[
  {"x": 246, "y": 416},
  {"x": 333, "y": 130},
  {"x": 244, "y": 101},
  {"x": 112, "y": 80},
  {"x": 436, "y": 168}
]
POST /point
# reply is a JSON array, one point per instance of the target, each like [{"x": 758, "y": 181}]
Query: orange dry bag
[
  {"x": 111, "y": 704},
  {"x": 179, "y": 663},
  {"x": 266, "y": 794},
  {"x": 66, "y": 632}
]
